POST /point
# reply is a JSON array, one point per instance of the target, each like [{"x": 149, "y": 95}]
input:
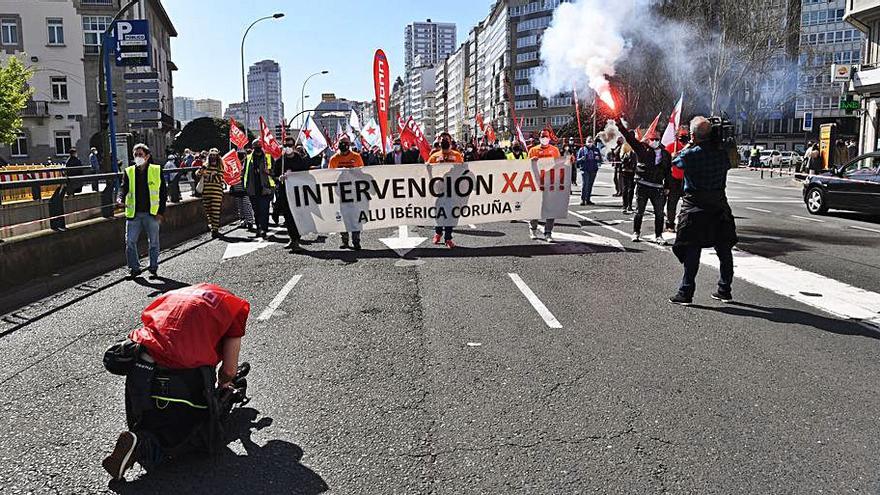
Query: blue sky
[{"x": 338, "y": 35}]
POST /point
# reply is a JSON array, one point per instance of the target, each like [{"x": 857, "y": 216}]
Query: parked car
[
  {"x": 791, "y": 158},
  {"x": 855, "y": 187},
  {"x": 771, "y": 158}
]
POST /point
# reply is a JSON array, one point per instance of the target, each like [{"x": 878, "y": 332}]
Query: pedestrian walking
[
  {"x": 143, "y": 195},
  {"x": 706, "y": 219},
  {"x": 171, "y": 178},
  {"x": 74, "y": 168},
  {"x": 346, "y": 158},
  {"x": 293, "y": 160},
  {"x": 543, "y": 150},
  {"x": 652, "y": 177},
  {"x": 589, "y": 159},
  {"x": 446, "y": 154},
  {"x": 211, "y": 175},
  {"x": 259, "y": 185},
  {"x": 570, "y": 158},
  {"x": 628, "y": 162}
]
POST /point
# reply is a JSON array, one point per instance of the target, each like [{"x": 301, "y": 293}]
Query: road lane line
[
  {"x": 768, "y": 201},
  {"x": 542, "y": 310},
  {"x": 808, "y": 219},
  {"x": 829, "y": 295},
  {"x": 472, "y": 226},
  {"x": 279, "y": 298},
  {"x": 866, "y": 229},
  {"x": 645, "y": 240},
  {"x": 758, "y": 209},
  {"x": 753, "y": 184}
]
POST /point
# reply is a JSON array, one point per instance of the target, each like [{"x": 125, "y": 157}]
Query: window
[
  {"x": 93, "y": 28},
  {"x": 560, "y": 120},
  {"x": 526, "y": 57},
  {"x": 8, "y": 32},
  {"x": 524, "y": 89},
  {"x": 62, "y": 143},
  {"x": 19, "y": 146},
  {"x": 527, "y": 41},
  {"x": 525, "y": 73},
  {"x": 559, "y": 101},
  {"x": 525, "y": 105},
  {"x": 96, "y": 2},
  {"x": 56, "y": 31},
  {"x": 865, "y": 167},
  {"x": 59, "y": 88}
]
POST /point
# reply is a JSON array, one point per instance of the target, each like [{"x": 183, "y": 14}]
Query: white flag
[
  {"x": 354, "y": 121},
  {"x": 312, "y": 139},
  {"x": 371, "y": 133}
]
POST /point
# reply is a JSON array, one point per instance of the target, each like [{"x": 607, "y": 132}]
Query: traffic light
[{"x": 104, "y": 116}]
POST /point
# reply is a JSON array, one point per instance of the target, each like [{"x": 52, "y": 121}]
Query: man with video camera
[{"x": 705, "y": 219}]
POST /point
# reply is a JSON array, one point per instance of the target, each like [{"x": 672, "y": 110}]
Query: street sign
[
  {"x": 132, "y": 87},
  {"x": 848, "y": 103},
  {"x": 142, "y": 116},
  {"x": 132, "y": 39},
  {"x": 145, "y": 125},
  {"x": 141, "y": 76},
  {"x": 841, "y": 72},
  {"x": 808, "y": 121}
]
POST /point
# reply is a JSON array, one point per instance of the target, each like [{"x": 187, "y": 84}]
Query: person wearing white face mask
[
  {"x": 653, "y": 178},
  {"x": 143, "y": 194},
  {"x": 544, "y": 150}
]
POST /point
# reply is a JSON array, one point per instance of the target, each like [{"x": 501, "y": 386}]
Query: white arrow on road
[
  {"x": 403, "y": 243},
  {"x": 589, "y": 238},
  {"x": 236, "y": 249}
]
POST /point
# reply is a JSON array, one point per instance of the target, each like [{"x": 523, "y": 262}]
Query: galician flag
[
  {"x": 338, "y": 130},
  {"x": 354, "y": 121},
  {"x": 669, "y": 140},
  {"x": 312, "y": 139},
  {"x": 354, "y": 138},
  {"x": 371, "y": 133}
]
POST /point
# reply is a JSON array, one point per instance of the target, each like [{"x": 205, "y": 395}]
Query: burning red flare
[{"x": 607, "y": 98}]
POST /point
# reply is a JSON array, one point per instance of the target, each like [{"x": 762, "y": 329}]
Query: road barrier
[{"x": 13, "y": 173}]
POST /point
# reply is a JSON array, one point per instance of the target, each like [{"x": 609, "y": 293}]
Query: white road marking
[
  {"x": 777, "y": 201},
  {"x": 791, "y": 188},
  {"x": 866, "y": 229},
  {"x": 808, "y": 219},
  {"x": 645, "y": 240},
  {"x": 758, "y": 210},
  {"x": 829, "y": 295},
  {"x": 279, "y": 298},
  {"x": 536, "y": 303},
  {"x": 600, "y": 210},
  {"x": 472, "y": 226},
  {"x": 236, "y": 249}
]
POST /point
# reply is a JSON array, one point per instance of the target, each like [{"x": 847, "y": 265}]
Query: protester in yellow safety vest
[
  {"x": 516, "y": 152},
  {"x": 143, "y": 196},
  {"x": 258, "y": 183}
]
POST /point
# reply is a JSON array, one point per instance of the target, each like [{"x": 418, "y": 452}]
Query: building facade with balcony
[
  {"x": 46, "y": 36},
  {"x": 95, "y": 16},
  {"x": 865, "y": 16}
]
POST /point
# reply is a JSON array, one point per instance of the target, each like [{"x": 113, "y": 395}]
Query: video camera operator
[{"x": 705, "y": 219}]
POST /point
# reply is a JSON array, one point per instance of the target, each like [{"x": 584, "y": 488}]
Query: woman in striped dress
[{"x": 212, "y": 192}]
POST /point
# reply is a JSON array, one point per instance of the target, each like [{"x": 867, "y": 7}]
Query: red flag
[
  {"x": 270, "y": 144},
  {"x": 652, "y": 131},
  {"x": 413, "y": 134},
  {"x": 380, "y": 79},
  {"x": 480, "y": 122},
  {"x": 236, "y": 135},
  {"x": 231, "y": 168},
  {"x": 490, "y": 134}
]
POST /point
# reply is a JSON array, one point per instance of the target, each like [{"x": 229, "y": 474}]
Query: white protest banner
[{"x": 366, "y": 198}]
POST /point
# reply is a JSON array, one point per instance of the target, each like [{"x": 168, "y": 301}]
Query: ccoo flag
[
  {"x": 236, "y": 135},
  {"x": 312, "y": 139},
  {"x": 270, "y": 144}
]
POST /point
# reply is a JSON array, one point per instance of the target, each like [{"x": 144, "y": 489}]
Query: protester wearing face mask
[
  {"x": 143, "y": 195},
  {"x": 396, "y": 156},
  {"x": 516, "y": 152},
  {"x": 293, "y": 160},
  {"x": 543, "y": 150},
  {"x": 259, "y": 184},
  {"x": 588, "y": 159},
  {"x": 211, "y": 174},
  {"x": 446, "y": 154},
  {"x": 345, "y": 158},
  {"x": 653, "y": 178}
]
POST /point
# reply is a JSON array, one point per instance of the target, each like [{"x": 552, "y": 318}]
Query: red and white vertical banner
[
  {"x": 270, "y": 144},
  {"x": 236, "y": 135},
  {"x": 381, "y": 76}
]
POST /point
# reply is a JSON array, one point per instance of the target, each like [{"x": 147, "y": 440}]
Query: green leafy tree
[
  {"x": 14, "y": 94},
  {"x": 203, "y": 134}
]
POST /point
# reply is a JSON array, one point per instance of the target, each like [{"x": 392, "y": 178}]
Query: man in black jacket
[
  {"x": 293, "y": 160},
  {"x": 397, "y": 156},
  {"x": 653, "y": 178},
  {"x": 705, "y": 219}
]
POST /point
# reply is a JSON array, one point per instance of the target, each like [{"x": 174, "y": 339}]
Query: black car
[{"x": 854, "y": 187}]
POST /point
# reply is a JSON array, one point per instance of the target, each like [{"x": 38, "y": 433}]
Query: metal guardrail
[{"x": 108, "y": 193}]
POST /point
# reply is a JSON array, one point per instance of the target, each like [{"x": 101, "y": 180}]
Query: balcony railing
[{"x": 36, "y": 109}]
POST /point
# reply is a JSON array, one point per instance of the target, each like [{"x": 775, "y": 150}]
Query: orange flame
[{"x": 608, "y": 99}]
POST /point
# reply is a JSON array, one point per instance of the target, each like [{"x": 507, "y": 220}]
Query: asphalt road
[{"x": 436, "y": 374}]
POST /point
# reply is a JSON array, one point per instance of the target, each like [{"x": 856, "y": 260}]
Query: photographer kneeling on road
[
  {"x": 172, "y": 404},
  {"x": 705, "y": 219}
]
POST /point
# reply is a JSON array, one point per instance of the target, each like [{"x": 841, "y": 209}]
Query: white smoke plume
[{"x": 584, "y": 42}]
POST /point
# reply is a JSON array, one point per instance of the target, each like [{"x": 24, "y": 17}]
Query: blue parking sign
[
  {"x": 131, "y": 39},
  {"x": 808, "y": 121}
]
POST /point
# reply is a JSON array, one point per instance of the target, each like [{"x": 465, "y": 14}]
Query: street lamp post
[
  {"x": 243, "y": 85},
  {"x": 302, "y": 100}
]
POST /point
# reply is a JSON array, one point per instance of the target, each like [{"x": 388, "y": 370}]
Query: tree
[
  {"x": 203, "y": 134},
  {"x": 14, "y": 94}
]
